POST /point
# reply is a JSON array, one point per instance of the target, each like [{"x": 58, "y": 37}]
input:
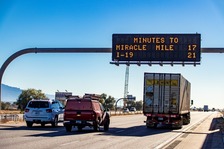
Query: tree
[
  {"x": 103, "y": 98},
  {"x": 139, "y": 105},
  {"x": 5, "y": 105},
  {"x": 108, "y": 103},
  {"x": 130, "y": 103},
  {"x": 28, "y": 95}
]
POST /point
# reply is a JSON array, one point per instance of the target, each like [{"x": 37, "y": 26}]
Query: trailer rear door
[{"x": 161, "y": 93}]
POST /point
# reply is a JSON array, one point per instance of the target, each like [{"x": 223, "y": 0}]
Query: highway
[{"x": 127, "y": 131}]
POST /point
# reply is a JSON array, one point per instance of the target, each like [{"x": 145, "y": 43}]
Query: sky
[{"x": 90, "y": 24}]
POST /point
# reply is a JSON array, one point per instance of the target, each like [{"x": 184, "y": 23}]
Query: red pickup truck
[{"x": 86, "y": 111}]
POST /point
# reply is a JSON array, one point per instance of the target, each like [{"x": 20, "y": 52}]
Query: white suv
[{"x": 43, "y": 112}]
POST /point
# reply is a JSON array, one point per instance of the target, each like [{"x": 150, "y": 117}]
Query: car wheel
[
  {"x": 29, "y": 124},
  {"x": 106, "y": 126},
  {"x": 152, "y": 126},
  {"x": 96, "y": 127},
  {"x": 68, "y": 128},
  {"x": 42, "y": 124},
  {"x": 55, "y": 122},
  {"x": 79, "y": 128}
]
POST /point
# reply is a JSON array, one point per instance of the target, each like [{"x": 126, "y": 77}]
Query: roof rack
[
  {"x": 91, "y": 96},
  {"x": 72, "y": 97},
  {"x": 42, "y": 99},
  {"x": 85, "y": 96}
]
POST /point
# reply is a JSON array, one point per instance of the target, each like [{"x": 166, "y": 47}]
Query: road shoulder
[{"x": 206, "y": 134}]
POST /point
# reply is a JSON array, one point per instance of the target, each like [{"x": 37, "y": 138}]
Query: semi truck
[
  {"x": 206, "y": 108},
  {"x": 166, "y": 100}
]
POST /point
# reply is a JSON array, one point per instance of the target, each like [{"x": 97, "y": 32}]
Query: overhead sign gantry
[
  {"x": 75, "y": 50},
  {"x": 154, "y": 48}
]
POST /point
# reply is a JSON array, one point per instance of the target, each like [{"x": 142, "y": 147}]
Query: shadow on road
[
  {"x": 48, "y": 131},
  {"x": 135, "y": 131},
  {"x": 215, "y": 139}
]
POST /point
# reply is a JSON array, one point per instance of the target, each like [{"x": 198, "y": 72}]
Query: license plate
[
  {"x": 160, "y": 118},
  {"x": 78, "y": 122},
  {"x": 37, "y": 113}
]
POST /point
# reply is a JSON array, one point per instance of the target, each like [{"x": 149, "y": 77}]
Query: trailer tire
[
  {"x": 68, "y": 128},
  {"x": 186, "y": 119},
  {"x": 181, "y": 124}
]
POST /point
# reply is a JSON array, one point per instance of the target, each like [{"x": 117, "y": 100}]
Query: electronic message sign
[{"x": 156, "y": 47}]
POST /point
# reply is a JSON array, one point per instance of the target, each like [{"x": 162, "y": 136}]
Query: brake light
[
  {"x": 48, "y": 110},
  {"x": 27, "y": 110},
  {"x": 148, "y": 114}
]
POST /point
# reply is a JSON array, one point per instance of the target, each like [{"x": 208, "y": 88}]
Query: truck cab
[
  {"x": 86, "y": 111},
  {"x": 206, "y": 108}
]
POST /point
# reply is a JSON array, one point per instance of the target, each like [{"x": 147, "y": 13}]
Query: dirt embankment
[
  {"x": 14, "y": 116},
  {"x": 10, "y": 112}
]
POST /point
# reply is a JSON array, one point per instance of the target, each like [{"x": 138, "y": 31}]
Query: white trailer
[{"x": 166, "y": 99}]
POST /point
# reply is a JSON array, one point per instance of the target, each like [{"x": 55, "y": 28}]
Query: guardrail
[{"x": 11, "y": 117}]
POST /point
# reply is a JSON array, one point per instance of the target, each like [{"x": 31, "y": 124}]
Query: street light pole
[
  {"x": 47, "y": 50},
  {"x": 116, "y": 104}
]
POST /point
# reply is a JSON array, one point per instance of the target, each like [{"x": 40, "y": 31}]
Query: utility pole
[{"x": 126, "y": 85}]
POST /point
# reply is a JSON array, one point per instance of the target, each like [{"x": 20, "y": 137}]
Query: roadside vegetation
[{"x": 18, "y": 107}]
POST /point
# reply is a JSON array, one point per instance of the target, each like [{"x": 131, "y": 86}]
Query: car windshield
[{"x": 38, "y": 104}]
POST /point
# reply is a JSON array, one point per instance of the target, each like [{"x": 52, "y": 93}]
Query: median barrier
[
  {"x": 117, "y": 113},
  {"x": 4, "y": 118}
]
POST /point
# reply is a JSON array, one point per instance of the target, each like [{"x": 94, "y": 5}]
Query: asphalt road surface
[{"x": 127, "y": 131}]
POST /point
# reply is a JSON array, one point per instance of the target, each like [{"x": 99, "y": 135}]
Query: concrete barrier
[
  {"x": 20, "y": 117},
  {"x": 117, "y": 113}
]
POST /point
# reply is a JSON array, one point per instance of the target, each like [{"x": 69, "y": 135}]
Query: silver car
[{"x": 43, "y": 112}]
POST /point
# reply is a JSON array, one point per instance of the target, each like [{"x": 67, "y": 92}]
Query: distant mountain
[
  {"x": 11, "y": 94},
  {"x": 50, "y": 96}
]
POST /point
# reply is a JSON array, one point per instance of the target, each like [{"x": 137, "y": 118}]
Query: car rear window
[
  {"x": 38, "y": 104},
  {"x": 97, "y": 106},
  {"x": 79, "y": 105}
]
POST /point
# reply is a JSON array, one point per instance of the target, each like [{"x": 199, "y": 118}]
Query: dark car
[
  {"x": 125, "y": 110},
  {"x": 133, "y": 109},
  {"x": 86, "y": 111}
]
